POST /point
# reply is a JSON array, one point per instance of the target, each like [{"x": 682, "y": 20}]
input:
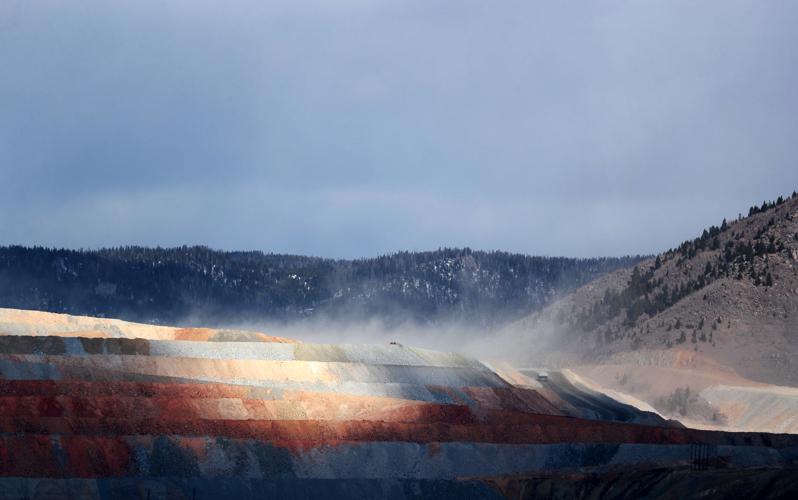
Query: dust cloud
[{"x": 514, "y": 343}]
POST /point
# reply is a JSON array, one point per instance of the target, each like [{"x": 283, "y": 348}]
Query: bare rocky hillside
[{"x": 730, "y": 295}]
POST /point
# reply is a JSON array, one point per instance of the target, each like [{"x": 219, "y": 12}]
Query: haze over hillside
[{"x": 203, "y": 286}]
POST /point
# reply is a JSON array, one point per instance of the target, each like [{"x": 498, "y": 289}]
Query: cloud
[{"x": 367, "y": 127}]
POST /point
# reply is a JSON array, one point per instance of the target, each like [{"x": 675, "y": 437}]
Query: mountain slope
[
  {"x": 157, "y": 285},
  {"x": 729, "y": 296}
]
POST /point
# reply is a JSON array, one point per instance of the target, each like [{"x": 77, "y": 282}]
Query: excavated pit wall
[{"x": 227, "y": 415}]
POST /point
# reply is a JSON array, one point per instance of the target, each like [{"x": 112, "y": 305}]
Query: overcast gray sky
[{"x": 355, "y": 128}]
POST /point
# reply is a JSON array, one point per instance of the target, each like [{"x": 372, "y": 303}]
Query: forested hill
[
  {"x": 168, "y": 285},
  {"x": 730, "y": 294}
]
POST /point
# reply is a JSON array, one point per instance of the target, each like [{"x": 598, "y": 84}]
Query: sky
[{"x": 357, "y": 128}]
